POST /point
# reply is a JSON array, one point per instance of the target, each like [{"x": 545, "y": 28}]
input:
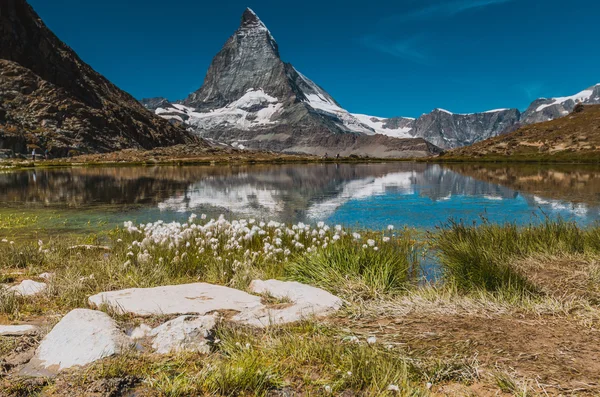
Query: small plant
[{"x": 10, "y": 303}]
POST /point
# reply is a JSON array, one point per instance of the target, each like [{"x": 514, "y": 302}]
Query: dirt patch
[
  {"x": 555, "y": 354},
  {"x": 565, "y": 277}
]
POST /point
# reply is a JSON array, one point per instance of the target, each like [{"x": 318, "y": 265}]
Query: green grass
[
  {"x": 352, "y": 271},
  {"x": 480, "y": 276},
  {"x": 305, "y": 357},
  {"x": 482, "y": 256}
]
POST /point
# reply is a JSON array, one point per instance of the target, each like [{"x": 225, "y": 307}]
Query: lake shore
[
  {"x": 513, "y": 311},
  {"x": 186, "y": 155}
]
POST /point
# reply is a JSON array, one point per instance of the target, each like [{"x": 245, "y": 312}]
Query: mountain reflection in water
[{"x": 367, "y": 195}]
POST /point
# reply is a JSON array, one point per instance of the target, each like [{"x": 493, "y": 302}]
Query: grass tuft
[{"x": 355, "y": 272}]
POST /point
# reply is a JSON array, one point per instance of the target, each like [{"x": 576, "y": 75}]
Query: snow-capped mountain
[
  {"x": 251, "y": 97},
  {"x": 549, "y": 109},
  {"x": 449, "y": 130}
]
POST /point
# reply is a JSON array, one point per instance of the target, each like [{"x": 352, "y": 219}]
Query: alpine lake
[{"x": 43, "y": 203}]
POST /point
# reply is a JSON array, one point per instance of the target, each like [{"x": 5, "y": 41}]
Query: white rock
[
  {"x": 140, "y": 332},
  {"x": 307, "y": 301},
  {"x": 17, "y": 330},
  {"x": 296, "y": 292},
  {"x": 81, "y": 337},
  {"x": 197, "y": 298},
  {"x": 28, "y": 288},
  {"x": 185, "y": 333}
]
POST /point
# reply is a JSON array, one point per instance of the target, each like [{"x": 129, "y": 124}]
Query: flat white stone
[
  {"x": 306, "y": 301},
  {"x": 197, "y": 298},
  {"x": 185, "y": 333},
  {"x": 81, "y": 337},
  {"x": 28, "y": 288},
  {"x": 296, "y": 292},
  {"x": 17, "y": 330}
]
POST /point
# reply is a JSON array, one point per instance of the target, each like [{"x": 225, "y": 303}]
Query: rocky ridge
[
  {"x": 51, "y": 99},
  {"x": 449, "y": 130}
]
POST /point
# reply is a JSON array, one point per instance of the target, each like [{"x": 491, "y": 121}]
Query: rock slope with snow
[
  {"x": 251, "y": 97},
  {"x": 549, "y": 109},
  {"x": 451, "y": 130}
]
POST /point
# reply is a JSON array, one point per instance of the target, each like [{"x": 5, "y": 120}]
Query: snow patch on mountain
[
  {"x": 255, "y": 108},
  {"x": 379, "y": 126},
  {"x": 583, "y": 96}
]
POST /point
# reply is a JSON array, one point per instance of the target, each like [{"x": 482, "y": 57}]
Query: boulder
[
  {"x": 185, "y": 333},
  {"x": 305, "y": 301},
  {"x": 28, "y": 288},
  {"x": 300, "y": 294},
  {"x": 197, "y": 298},
  {"x": 81, "y": 337},
  {"x": 17, "y": 330}
]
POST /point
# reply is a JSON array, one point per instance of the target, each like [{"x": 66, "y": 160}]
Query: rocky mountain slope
[
  {"x": 573, "y": 137},
  {"x": 250, "y": 97},
  {"x": 50, "y": 98},
  {"x": 451, "y": 130},
  {"x": 549, "y": 109}
]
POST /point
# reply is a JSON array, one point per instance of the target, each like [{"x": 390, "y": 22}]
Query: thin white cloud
[
  {"x": 446, "y": 9},
  {"x": 408, "y": 48}
]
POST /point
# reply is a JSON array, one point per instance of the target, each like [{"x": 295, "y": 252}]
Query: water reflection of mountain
[
  {"x": 291, "y": 192},
  {"x": 559, "y": 188},
  {"x": 576, "y": 184}
]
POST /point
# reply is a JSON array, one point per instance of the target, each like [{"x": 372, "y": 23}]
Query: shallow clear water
[{"x": 365, "y": 195}]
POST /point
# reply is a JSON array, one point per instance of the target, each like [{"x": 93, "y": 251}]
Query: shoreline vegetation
[
  {"x": 168, "y": 156},
  {"x": 511, "y": 310},
  {"x": 185, "y": 155}
]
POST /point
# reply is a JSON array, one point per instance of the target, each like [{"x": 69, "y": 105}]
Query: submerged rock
[
  {"x": 28, "y": 288},
  {"x": 17, "y": 330},
  {"x": 185, "y": 333},
  {"x": 81, "y": 337},
  {"x": 197, "y": 298}
]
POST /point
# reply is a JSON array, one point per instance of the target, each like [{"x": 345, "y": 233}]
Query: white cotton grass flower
[
  {"x": 356, "y": 236},
  {"x": 394, "y": 388},
  {"x": 327, "y": 389},
  {"x": 371, "y": 340},
  {"x": 371, "y": 242},
  {"x": 386, "y": 239},
  {"x": 390, "y": 227}
]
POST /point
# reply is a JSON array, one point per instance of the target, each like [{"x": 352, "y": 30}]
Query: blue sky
[{"x": 384, "y": 58}]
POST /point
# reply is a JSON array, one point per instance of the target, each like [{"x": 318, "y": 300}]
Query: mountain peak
[{"x": 251, "y": 21}]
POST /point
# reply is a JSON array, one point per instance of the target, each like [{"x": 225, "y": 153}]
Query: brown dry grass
[{"x": 575, "y": 137}]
